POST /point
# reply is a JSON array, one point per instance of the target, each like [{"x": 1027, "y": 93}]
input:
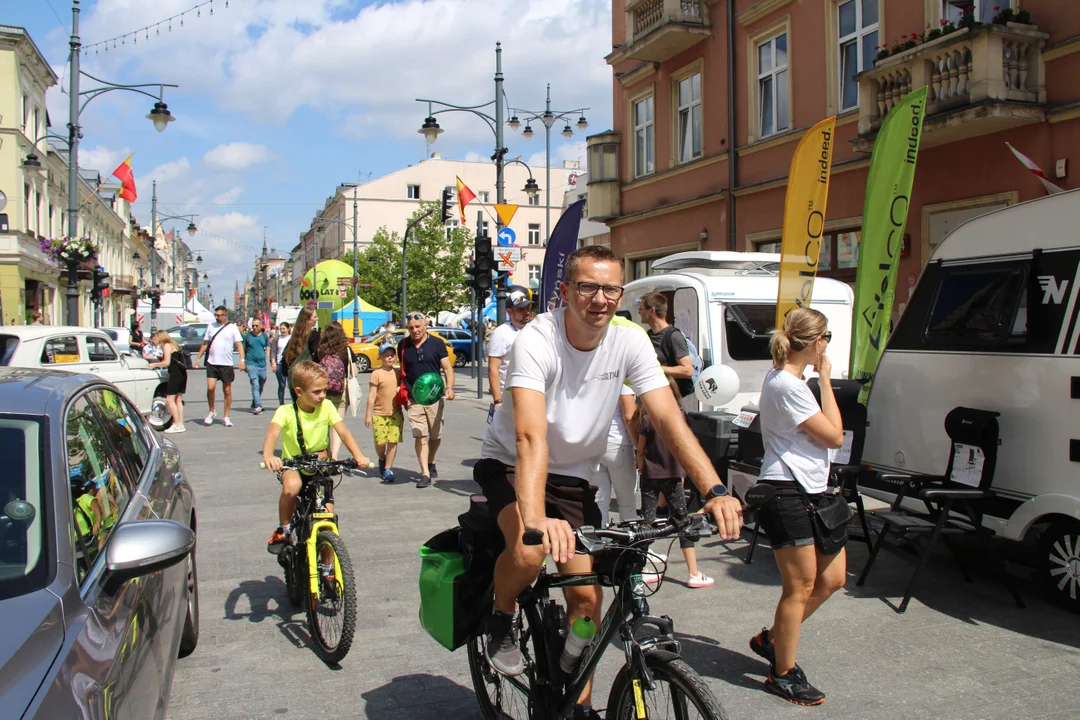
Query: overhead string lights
[{"x": 167, "y": 23}]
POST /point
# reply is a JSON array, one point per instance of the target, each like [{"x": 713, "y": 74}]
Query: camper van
[
  {"x": 725, "y": 304},
  {"x": 993, "y": 324}
]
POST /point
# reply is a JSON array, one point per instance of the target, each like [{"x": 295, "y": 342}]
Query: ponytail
[{"x": 779, "y": 348}]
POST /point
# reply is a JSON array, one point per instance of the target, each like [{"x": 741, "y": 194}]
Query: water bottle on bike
[{"x": 582, "y": 631}]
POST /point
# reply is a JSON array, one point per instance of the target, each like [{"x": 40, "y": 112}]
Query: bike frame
[
  {"x": 313, "y": 522},
  {"x": 627, "y": 613}
]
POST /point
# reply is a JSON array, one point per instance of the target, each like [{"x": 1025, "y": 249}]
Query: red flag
[
  {"x": 464, "y": 197},
  {"x": 127, "y": 179},
  {"x": 1027, "y": 162}
]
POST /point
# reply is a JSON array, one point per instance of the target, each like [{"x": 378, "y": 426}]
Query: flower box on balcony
[{"x": 996, "y": 68}]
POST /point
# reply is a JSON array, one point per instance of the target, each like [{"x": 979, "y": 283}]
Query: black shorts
[
  {"x": 177, "y": 383},
  {"x": 224, "y": 373},
  {"x": 785, "y": 519},
  {"x": 565, "y": 498}
]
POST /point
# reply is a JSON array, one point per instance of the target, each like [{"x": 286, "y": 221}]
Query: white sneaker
[
  {"x": 209, "y": 419},
  {"x": 700, "y": 580},
  {"x": 174, "y": 429},
  {"x": 227, "y": 421},
  {"x": 651, "y": 578}
]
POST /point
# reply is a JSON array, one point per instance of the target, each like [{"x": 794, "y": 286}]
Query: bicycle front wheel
[
  {"x": 332, "y": 616},
  {"x": 500, "y": 697},
  {"x": 678, "y": 692}
]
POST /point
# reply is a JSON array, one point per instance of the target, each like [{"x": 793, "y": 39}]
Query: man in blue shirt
[{"x": 256, "y": 343}]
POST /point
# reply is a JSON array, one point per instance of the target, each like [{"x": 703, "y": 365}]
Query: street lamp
[
  {"x": 154, "y": 222},
  {"x": 431, "y": 130},
  {"x": 549, "y": 117},
  {"x": 160, "y": 116}
]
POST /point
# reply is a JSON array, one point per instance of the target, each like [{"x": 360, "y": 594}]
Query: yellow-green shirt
[{"x": 316, "y": 426}]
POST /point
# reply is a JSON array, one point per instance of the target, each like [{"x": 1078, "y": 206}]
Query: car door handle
[{"x": 94, "y": 369}]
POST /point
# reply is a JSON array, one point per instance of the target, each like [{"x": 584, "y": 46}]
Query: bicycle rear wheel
[
  {"x": 332, "y": 617},
  {"x": 678, "y": 692},
  {"x": 500, "y": 697}
]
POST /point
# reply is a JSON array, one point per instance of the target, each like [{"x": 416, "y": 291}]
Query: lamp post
[
  {"x": 548, "y": 118},
  {"x": 431, "y": 131},
  {"x": 160, "y": 116},
  {"x": 155, "y": 291}
]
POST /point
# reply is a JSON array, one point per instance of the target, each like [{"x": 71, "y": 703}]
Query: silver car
[{"x": 98, "y": 584}]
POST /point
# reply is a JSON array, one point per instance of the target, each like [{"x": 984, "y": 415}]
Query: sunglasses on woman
[{"x": 827, "y": 337}]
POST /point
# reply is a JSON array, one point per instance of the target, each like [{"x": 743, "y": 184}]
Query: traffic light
[
  {"x": 484, "y": 256},
  {"x": 101, "y": 283},
  {"x": 446, "y": 211}
]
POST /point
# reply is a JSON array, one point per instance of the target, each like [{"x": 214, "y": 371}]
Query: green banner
[{"x": 888, "y": 193}]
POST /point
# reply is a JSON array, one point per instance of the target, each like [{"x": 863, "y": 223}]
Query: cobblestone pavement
[{"x": 960, "y": 652}]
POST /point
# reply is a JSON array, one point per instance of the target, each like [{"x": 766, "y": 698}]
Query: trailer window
[
  {"x": 979, "y": 305},
  {"x": 747, "y": 328}
]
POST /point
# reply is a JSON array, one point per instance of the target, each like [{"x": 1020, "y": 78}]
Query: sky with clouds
[{"x": 279, "y": 101}]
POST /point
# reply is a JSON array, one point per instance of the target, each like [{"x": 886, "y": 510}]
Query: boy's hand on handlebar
[
  {"x": 559, "y": 540},
  {"x": 272, "y": 462},
  {"x": 728, "y": 513},
  {"x": 362, "y": 462}
]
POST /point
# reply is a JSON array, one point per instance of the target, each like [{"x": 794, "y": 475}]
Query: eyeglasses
[
  {"x": 589, "y": 289},
  {"x": 827, "y": 337}
]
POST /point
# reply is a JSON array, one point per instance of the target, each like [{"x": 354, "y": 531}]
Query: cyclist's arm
[
  {"x": 273, "y": 463},
  {"x": 530, "y": 426},
  {"x": 350, "y": 444},
  {"x": 667, "y": 419}
]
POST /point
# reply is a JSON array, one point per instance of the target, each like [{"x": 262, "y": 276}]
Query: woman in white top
[
  {"x": 280, "y": 343},
  {"x": 797, "y": 434},
  {"x": 617, "y": 470}
]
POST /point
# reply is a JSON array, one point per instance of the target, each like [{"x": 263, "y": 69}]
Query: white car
[
  {"x": 88, "y": 350},
  {"x": 121, "y": 337}
]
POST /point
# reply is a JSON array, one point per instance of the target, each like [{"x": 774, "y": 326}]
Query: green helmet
[{"x": 428, "y": 389}]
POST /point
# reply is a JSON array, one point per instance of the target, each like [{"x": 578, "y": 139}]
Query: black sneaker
[
  {"x": 762, "y": 645},
  {"x": 501, "y": 645},
  {"x": 432, "y": 471},
  {"x": 423, "y": 482},
  {"x": 793, "y": 687}
]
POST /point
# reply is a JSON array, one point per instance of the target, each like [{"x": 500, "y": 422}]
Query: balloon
[
  {"x": 717, "y": 385},
  {"x": 428, "y": 389}
]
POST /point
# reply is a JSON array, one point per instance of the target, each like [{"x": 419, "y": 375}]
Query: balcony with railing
[
  {"x": 122, "y": 283},
  {"x": 657, "y": 30},
  {"x": 979, "y": 80}
]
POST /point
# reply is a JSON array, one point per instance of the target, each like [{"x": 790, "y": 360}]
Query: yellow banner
[{"x": 804, "y": 217}]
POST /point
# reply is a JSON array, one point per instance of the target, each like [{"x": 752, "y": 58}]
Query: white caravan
[
  {"x": 993, "y": 324},
  {"x": 725, "y": 303}
]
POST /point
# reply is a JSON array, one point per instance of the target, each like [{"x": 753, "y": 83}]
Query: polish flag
[{"x": 1051, "y": 188}]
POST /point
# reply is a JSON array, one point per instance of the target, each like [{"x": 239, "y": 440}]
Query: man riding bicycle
[{"x": 565, "y": 373}]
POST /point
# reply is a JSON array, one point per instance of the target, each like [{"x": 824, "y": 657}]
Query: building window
[
  {"x": 644, "y": 137},
  {"x": 484, "y": 196},
  {"x": 642, "y": 268},
  {"x": 858, "y": 33},
  {"x": 412, "y": 192},
  {"x": 485, "y": 227},
  {"x": 773, "y": 85},
  {"x": 847, "y": 250},
  {"x": 534, "y": 199},
  {"x": 770, "y": 246},
  {"x": 534, "y": 276},
  {"x": 26, "y": 117},
  {"x": 689, "y": 118},
  {"x": 26, "y": 206},
  {"x": 983, "y": 10},
  {"x": 534, "y": 233}
]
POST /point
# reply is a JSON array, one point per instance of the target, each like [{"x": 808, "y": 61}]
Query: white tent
[{"x": 173, "y": 311}]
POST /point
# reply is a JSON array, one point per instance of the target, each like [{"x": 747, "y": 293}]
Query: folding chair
[
  {"x": 952, "y": 500},
  {"x": 844, "y": 472}
]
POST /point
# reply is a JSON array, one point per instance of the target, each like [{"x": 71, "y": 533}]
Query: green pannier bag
[{"x": 456, "y": 575}]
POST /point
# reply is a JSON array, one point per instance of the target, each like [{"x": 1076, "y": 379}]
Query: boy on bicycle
[{"x": 304, "y": 427}]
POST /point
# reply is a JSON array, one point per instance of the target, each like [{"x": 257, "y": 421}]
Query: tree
[{"x": 435, "y": 263}]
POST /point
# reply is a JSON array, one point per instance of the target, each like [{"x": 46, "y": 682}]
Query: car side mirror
[{"x": 142, "y": 547}]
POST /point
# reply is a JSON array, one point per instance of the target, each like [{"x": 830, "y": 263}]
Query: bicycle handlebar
[{"x": 314, "y": 463}]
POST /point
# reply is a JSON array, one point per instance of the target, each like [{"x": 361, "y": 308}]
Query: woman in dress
[
  {"x": 281, "y": 341},
  {"x": 173, "y": 359}
]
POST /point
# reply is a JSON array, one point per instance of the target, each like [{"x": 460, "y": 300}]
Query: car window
[
  {"x": 60, "y": 350},
  {"x": 23, "y": 549},
  {"x": 98, "y": 349},
  {"x": 8, "y": 343},
  {"x": 98, "y": 492},
  {"x": 112, "y": 333},
  {"x": 123, "y": 427}
]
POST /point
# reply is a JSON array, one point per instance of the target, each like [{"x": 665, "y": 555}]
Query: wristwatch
[{"x": 716, "y": 491}]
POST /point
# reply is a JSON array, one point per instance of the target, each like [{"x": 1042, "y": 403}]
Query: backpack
[
  {"x": 335, "y": 374},
  {"x": 686, "y": 386}
]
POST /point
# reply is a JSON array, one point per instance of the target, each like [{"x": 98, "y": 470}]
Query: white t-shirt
[
  {"x": 581, "y": 391},
  {"x": 282, "y": 343},
  {"x": 618, "y": 433},
  {"x": 499, "y": 346},
  {"x": 786, "y": 402},
  {"x": 221, "y": 352}
]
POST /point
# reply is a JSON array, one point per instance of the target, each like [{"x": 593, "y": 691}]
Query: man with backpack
[{"x": 672, "y": 348}]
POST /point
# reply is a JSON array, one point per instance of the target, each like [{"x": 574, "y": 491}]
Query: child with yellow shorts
[{"x": 383, "y": 415}]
